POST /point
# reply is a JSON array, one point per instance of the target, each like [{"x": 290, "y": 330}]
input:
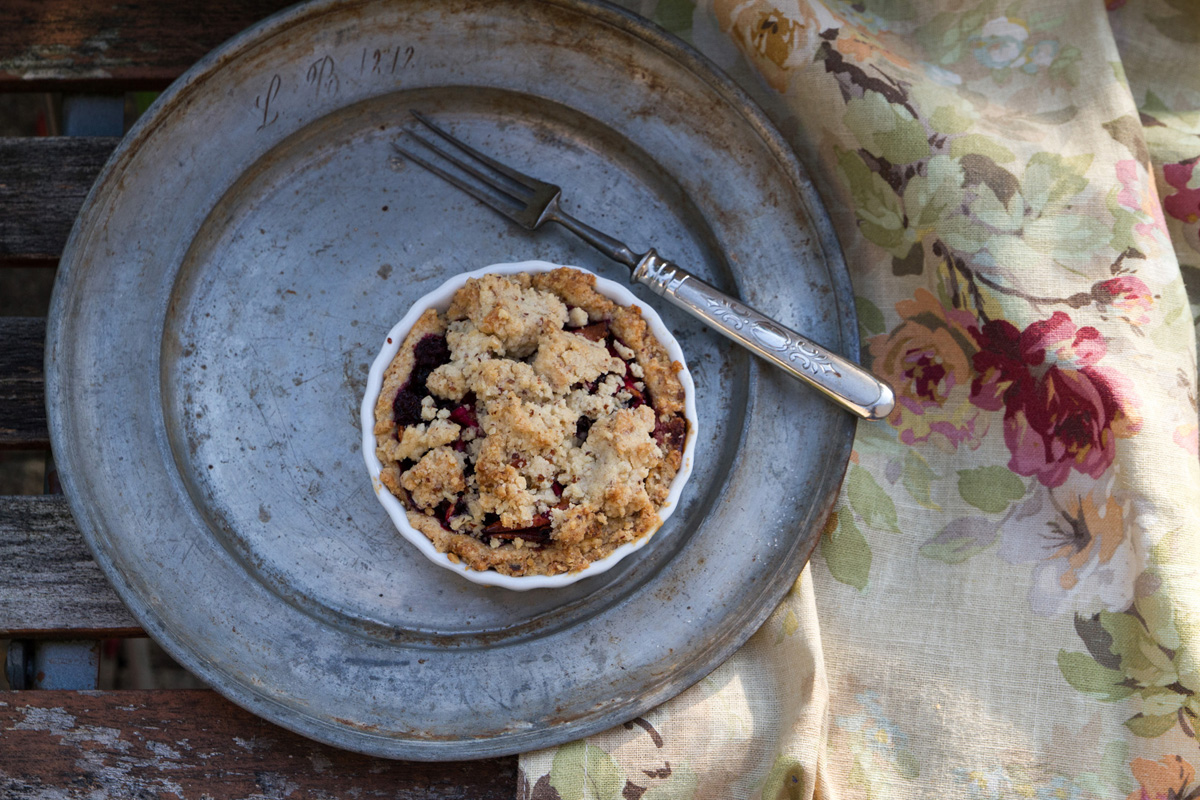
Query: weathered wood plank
[
  {"x": 49, "y": 584},
  {"x": 101, "y": 45},
  {"x": 22, "y": 383},
  {"x": 194, "y": 744},
  {"x": 43, "y": 182}
]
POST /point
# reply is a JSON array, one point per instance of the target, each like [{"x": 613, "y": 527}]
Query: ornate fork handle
[
  {"x": 531, "y": 203},
  {"x": 841, "y": 379}
]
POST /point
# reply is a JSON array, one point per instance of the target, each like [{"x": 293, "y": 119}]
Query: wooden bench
[{"x": 59, "y": 737}]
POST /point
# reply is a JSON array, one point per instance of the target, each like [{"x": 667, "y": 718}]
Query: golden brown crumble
[{"x": 532, "y": 428}]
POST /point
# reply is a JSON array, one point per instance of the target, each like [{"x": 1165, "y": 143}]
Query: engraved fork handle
[{"x": 844, "y": 381}]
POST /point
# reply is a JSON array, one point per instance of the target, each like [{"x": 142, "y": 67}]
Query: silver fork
[{"x": 530, "y": 203}]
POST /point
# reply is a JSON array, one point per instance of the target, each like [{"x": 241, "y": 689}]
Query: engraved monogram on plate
[
  {"x": 324, "y": 77},
  {"x": 770, "y": 336}
]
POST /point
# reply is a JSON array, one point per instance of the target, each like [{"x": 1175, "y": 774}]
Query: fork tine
[
  {"x": 525, "y": 181},
  {"x": 471, "y": 169},
  {"x": 488, "y": 199}
]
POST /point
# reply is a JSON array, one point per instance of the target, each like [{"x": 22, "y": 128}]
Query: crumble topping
[{"x": 533, "y": 427}]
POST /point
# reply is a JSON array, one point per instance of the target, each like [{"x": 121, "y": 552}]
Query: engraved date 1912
[{"x": 385, "y": 60}]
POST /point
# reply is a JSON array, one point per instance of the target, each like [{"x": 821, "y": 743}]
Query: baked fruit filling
[{"x": 533, "y": 427}]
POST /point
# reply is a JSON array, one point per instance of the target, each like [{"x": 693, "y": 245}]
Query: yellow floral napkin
[{"x": 1006, "y": 600}]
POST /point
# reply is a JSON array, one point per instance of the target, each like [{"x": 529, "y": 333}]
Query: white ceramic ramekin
[{"x": 440, "y": 299}]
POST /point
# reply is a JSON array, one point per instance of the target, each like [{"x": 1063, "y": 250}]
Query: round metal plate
[{"x": 228, "y": 283}]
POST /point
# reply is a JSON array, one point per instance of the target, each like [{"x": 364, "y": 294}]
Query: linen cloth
[{"x": 1006, "y": 599}]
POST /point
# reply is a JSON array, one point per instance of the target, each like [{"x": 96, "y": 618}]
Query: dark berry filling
[
  {"x": 406, "y": 408},
  {"x": 465, "y": 414},
  {"x": 429, "y": 353},
  {"x": 671, "y": 434},
  {"x": 596, "y": 332}
]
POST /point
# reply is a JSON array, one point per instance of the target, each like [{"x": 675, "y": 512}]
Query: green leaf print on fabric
[
  {"x": 1051, "y": 181},
  {"x": 911, "y": 264},
  {"x": 1066, "y": 238},
  {"x": 918, "y": 192},
  {"x": 879, "y": 211},
  {"x": 990, "y": 489},
  {"x": 1182, "y": 120},
  {"x": 585, "y": 772},
  {"x": 870, "y": 501},
  {"x": 845, "y": 550},
  {"x": 949, "y": 120},
  {"x": 1004, "y": 215},
  {"x": 1084, "y": 674},
  {"x": 945, "y": 36},
  {"x": 1140, "y": 657},
  {"x": 961, "y": 539},
  {"x": 1140, "y": 651},
  {"x": 1150, "y": 727},
  {"x": 918, "y": 479},
  {"x": 931, "y": 196},
  {"x": 870, "y": 318},
  {"x": 885, "y": 129},
  {"x": 978, "y": 144}
]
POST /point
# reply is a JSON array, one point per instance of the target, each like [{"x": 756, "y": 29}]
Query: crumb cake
[{"x": 533, "y": 427}]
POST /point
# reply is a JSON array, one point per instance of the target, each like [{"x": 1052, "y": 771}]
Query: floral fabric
[{"x": 1006, "y": 599}]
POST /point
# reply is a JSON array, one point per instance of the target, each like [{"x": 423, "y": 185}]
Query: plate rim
[{"x": 284, "y": 715}]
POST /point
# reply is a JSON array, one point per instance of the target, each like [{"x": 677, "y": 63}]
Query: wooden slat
[
  {"x": 49, "y": 584},
  {"x": 43, "y": 182},
  {"x": 194, "y": 744},
  {"x": 101, "y": 45},
  {"x": 22, "y": 383}
]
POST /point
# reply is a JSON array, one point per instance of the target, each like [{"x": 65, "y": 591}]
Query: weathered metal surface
[
  {"x": 228, "y": 283},
  {"x": 192, "y": 745}
]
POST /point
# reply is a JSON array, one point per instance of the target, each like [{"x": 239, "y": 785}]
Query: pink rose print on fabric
[
  {"x": 927, "y": 360},
  {"x": 1139, "y": 195},
  {"x": 1184, "y": 203},
  {"x": 1126, "y": 295},
  {"x": 1061, "y": 410}
]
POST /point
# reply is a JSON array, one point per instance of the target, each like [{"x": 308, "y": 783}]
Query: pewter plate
[{"x": 229, "y": 280}]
